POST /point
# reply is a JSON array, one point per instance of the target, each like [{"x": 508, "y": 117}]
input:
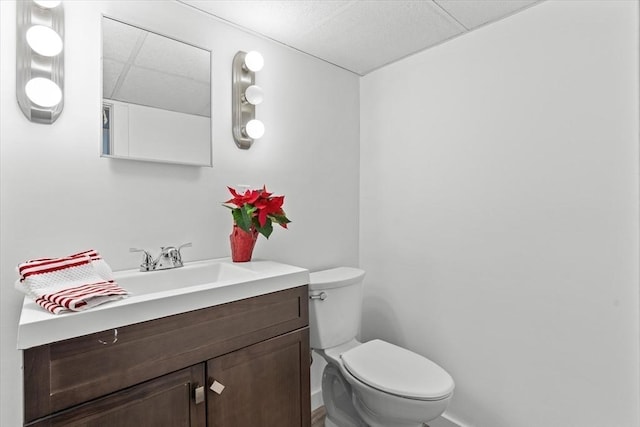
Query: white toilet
[{"x": 374, "y": 384}]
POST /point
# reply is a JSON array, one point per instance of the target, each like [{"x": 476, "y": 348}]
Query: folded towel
[{"x": 76, "y": 282}]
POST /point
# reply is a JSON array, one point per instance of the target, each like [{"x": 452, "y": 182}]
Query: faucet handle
[
  {"x": 185, "y": 245},
  {"x": 147, "y": 259},
  {"x": 172, "y": 254},
  {"x": 178, "y": 254},
  {"x": 139, "y": 250}
]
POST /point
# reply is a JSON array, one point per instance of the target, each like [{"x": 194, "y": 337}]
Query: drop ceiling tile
[
  {"x": 111, "y": 70},
  {"x": 118, "y": 39},
  {"x": 473, "y": 13},
  {"x": 279, "y": 20},
  {"x": 168, "y": 92},
  {"x": 359, "y": 35},
  {"x": 174, "y": 57},
  {"x": 369, "y": 34}
]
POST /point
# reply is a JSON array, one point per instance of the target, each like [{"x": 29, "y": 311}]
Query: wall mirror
[{"x": 156, "y": 97}]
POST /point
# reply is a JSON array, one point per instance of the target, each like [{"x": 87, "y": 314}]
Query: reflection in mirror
[{"x": 156, "y": 97}]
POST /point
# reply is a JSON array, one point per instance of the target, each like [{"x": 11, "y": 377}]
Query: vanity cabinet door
[
  {"x": 266, "y": 384},
  {"x": 167, "y": 401}
]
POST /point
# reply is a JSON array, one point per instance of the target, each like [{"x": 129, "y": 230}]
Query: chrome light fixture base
[
  {"x": 35, "y": 71},
  {"x": 243, "y": 111}
]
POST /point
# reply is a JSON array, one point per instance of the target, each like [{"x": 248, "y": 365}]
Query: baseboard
[
  {"x": 447, "y": 421},
  {"x": 316, "y": 399}
]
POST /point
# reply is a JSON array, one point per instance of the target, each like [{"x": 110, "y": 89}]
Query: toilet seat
[{"x": 397, "y": 371}]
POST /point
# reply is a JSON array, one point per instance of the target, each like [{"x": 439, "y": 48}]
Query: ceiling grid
[{"x": 360, "y": 35}]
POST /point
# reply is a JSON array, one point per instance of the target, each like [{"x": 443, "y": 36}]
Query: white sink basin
[
  {"x": 156, "y": 294},
  {"x": 192, "y": 274}
]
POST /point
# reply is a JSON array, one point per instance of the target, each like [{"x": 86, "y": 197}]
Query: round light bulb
[
  {"x": 253, "y": 61},
  {"x": 43, "y": 92},
  {"x": 254, "y": 95},
  {"x": 47, "y": 4},
  {"x": 254, "y": 129},
  {"x": 44, "y": 41}
]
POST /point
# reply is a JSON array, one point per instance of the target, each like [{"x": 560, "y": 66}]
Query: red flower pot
[{"x": 242, "y": 244}]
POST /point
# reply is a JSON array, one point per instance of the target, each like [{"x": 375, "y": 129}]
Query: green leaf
[
  {"x": 246, "y": 218},
  {"x": 267, "y": 229},
  {"x": 280, "y": 219},
  {"x": 242, "y": 217},
  {"x": 237, "y": 217}
]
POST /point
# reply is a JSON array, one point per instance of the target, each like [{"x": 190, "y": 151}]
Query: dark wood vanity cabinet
[
  {"x": 164, "y": 401},
  {"x": 161, "y": 372}
]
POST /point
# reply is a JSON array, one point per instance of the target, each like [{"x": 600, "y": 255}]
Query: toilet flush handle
[{"x": 321, "y": 296}]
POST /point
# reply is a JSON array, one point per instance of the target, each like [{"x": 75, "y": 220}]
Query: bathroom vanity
[{"x": 231, "y": 352}]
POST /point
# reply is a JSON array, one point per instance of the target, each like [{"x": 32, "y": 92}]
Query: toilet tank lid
[
  {"x": 398, "y": 371},
  {"x": 335, "y": 278}
]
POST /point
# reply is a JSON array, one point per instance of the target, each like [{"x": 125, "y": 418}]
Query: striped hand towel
[{"x": 76, "y": 282}]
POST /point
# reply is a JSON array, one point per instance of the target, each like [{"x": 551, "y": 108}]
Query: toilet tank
[{"x": 335, "y": 306}]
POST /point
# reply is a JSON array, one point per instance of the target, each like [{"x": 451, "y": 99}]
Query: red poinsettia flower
[
  {"x": 257, "y": 209},
  {"x": 268, "y": 206},
  {"x": 249, "y": 196}
]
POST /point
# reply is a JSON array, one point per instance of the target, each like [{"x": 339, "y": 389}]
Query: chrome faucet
[{"x": 170, "y": 257}]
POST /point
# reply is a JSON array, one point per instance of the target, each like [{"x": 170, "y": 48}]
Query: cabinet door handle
[
  {"x": 113, "y": 341},
  {"x": 217, "y": 387},
  {"x": 198, "y": 394}
]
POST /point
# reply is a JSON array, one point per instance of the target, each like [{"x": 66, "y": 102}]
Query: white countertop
[{"x": 37, "y": 326}]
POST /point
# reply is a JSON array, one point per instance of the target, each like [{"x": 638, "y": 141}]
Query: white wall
[
  {"x": 58, "y": 196},
  {"x": 499, "y": 214}
]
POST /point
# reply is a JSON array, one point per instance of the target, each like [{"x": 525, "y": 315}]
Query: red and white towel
[{"x": 76, "y": 282}]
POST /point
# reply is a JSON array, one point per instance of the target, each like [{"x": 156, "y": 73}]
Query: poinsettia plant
[{"x": 257, "y": 209}]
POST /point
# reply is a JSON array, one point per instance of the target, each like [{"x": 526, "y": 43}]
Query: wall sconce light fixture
[
  {"x": 40, "y": 59},
  {"x": 246, "y": 95}
]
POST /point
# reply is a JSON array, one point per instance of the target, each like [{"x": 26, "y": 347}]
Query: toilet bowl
[{"x": 376, "y": 383}]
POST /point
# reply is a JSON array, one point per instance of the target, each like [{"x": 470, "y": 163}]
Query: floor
[{"x": 317, "y": 417}]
